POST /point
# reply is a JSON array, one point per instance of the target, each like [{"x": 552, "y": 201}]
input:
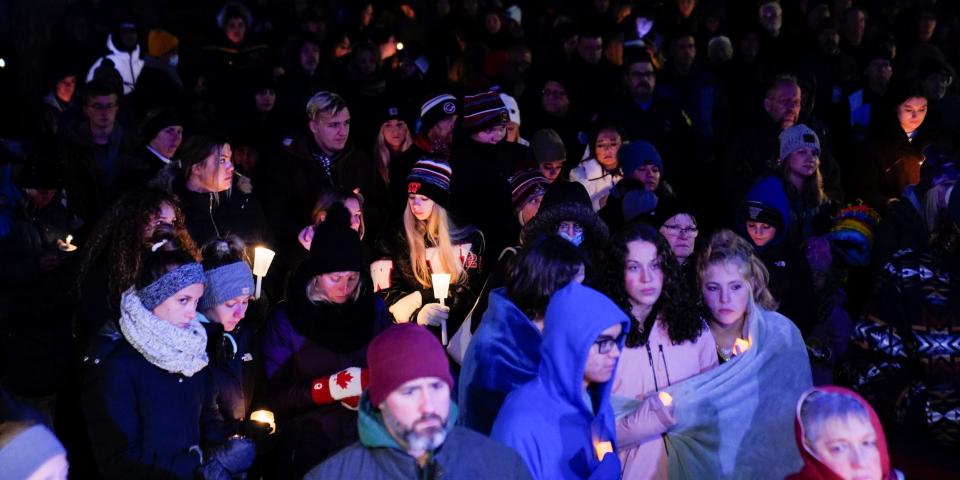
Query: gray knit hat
[
  {"x": 796, "y": 137},
  {"x": 547, "y": 146},
  {"x": 226, "y": 282},
  {"x": 171, "y": 283}
]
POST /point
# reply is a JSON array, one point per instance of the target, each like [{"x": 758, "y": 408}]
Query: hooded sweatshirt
[
  {"x": 504, "y": 354},
  {"x": 464, "y": 454},
  {"x": 813, "y": 468},
  {"x": 550, "y": 421},
  {"x": 129, "y": 64}
]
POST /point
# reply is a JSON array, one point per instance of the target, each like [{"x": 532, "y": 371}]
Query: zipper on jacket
[
  {"x": 212, "y": 221},
  {"x": 666, "y": 370},
  {"x": 653, "y": 368}
]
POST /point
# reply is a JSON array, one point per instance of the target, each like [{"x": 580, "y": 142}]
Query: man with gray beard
[{"x": 406, "y": 420}]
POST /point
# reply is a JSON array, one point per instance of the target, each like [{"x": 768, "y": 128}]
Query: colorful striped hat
[
  {"x": 430, "y": 178},
  {"x": 483, "y": 110},
  {"x": 524, "y": 186}
]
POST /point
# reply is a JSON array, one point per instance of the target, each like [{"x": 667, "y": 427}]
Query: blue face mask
[
  {"x": 174, "y": 60},
  {"x": 576, "y": 239}
]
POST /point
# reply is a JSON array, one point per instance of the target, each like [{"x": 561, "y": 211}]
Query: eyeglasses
[
  {"x": 677, "y": 229},
  {"x": 571, "y": 228},
  {"x": 605, "y": 343}
]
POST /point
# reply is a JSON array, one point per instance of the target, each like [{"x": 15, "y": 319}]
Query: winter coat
[
  {"x": 642, "y": 371},
  {"x": 552, "y": 421},
  {"x": 128, "y": 64},
  {"x": 210, "y": 215},
  {"x": 143, "y": 420},
  {"x": 35, "y": 306},
  {"x": 159, "y": 85},
  {"x": 901, "y": 227},
  {"x": 482, "y": 171},
  {"x": 503, "y": 355},
  {"x": 302, "y": 342},
  {"x": 401, "y": 282},
  {"x": 907, "y": 344},
  {"x": 92, "y": 173},
  {"x": 889, "y": 163},
  {"x": 378, "y": 456},
  {"x": 234, "y": 364},
  {"x": 596, "y": 180}
]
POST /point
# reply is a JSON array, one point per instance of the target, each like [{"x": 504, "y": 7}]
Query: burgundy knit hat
[
  {"x": 402, "y": 353},
  {"x": 524, "y": 186},
  {"x": 483, "y": 111}
]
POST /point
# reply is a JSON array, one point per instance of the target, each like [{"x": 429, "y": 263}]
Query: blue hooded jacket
[
  {"x": 548, "y": 420},
  {"x": 503, "y": 355},
  {"x": 769, "y": 192}
]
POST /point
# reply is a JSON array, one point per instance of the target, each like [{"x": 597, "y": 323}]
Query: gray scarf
[{"x": 176, "y": 350}]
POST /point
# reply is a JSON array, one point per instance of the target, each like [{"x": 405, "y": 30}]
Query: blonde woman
[{"x": 430, "y": 243}]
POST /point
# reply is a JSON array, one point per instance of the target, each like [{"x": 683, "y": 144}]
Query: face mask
[
  {"x": 576, "y": 239},
  {"x": 174, "y": 60}
]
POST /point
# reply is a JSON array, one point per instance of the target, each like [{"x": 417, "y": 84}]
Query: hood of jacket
[
  {"x": 813, "y": 468},
  {"x": 575, "y": 317},
  {"x": 114, "y": 50},
  {"x": 770, "y": 192}
]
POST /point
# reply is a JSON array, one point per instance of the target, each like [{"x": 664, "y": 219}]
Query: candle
[
  {"x": 740, "y": 346},
  {"x": 441, "y": 286},
  {"x": 602, "y": 448},
  {"x": 665, "y": 398},
  {"x": 264, "y": 416},
  {"x": 66, "y": 245},
  {"x": 262, "y": 258}
]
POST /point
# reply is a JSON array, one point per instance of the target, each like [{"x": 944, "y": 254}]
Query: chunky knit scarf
[{"x": 176, "y": 350}]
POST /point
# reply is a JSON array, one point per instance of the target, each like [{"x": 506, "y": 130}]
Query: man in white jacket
[{"x": 124, "y": 53}]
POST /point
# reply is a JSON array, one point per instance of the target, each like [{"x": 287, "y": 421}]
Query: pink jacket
[{"x": 642, "y": 371}]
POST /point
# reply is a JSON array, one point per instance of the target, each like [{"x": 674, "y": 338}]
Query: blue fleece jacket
[
  {"x": 549, "y": 421},
  {"x": 503, "y": 355}
]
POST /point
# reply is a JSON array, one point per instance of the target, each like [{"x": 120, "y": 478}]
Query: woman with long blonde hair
[{"x": 430, "y": 243}]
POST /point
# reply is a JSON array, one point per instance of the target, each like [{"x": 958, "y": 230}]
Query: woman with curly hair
[
  {"x": 668, "y": 342},
  {"x": 113, "y": 255}
]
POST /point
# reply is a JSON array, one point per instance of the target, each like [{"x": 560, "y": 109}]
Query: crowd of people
[{"x": 486, "y": 239}]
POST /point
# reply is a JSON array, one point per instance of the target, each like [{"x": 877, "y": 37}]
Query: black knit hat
[
  {"x": 430, "y": 178},
  {"x": 158, "y": 120},
  {"x": 435, "y": 109},
  {"x": 336, "y": 247}
]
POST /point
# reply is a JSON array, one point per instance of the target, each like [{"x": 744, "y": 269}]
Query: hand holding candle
[
  {"x": 66, "y": 245},
  {"x": 262, "y": 258},
  {"x": 441, "y": 286},
  {"x": 665, "y": 398},
  {"x": 264, "y": 416},
  {"x": 740, "y": 346}
]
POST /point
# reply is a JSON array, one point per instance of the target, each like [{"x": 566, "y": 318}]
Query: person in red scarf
[{"x": 840, "y": 437}]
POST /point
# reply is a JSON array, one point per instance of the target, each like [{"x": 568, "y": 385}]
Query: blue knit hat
[
  {"x": 28, "y": 451},
  {"x": 636, "y": 154},
  {"x": 226, "y": 282},
  {"x": 171, "y": 283}
]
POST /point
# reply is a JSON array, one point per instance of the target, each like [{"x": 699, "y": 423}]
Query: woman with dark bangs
[{"x": 668, "y": 342}]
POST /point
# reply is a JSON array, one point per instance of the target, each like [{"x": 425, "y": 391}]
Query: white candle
[
  {"x": 66, "y": 245},
  {"x": 441, "y": 287},
  {"x": 262, "y": 258},
  {"x": 665, "y": 398},
  {"x": 264, "y": 416}
]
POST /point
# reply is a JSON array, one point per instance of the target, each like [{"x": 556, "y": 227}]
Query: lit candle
[
  {"x": 264, "y": 416},
  {"x": 602, "y": 448},
  {"x": 262, "y": 258},
  {"x": 66, "y": 245},
  {"x": 665, "y": 398},
  {"x": 441, "y": 286},
  {"x": 740, "y": 346}
]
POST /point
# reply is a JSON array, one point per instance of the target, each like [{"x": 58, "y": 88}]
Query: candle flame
[
  {"x": 740, "y": 346},
  {"x": 69, "y": 239},
  {"x": 665, "y": 398},
  {"x": 602, "y": 448},
  {"x": 264, "y": 416}
]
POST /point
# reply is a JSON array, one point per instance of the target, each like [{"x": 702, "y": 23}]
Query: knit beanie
[
  {"x": 565, "y": 192},
  {"x": 482, "y": 111},
  {"x": 636, "y": 154},
  {"x": 669, "y": 207},
  {"x": 754, "y": 211},
  {"x": 336, "y": 247},
  {"x": 433, "y": 110},
  {"x": 852, "y": 233},
  {"x": 226, "y": 282},
  {"x": 638, "y": 203},
  {"x": 513, "y": 109},
  {"x": 524, "y": 186},
  {"x": 547, "y": 146},
  {"x": 28, "y": 451},
  {"x": 161, "y": 42},
  {"x": 797, "y": 137},
  {"x": 402, "y": 353},
  {"x": 171, "y": 283},
  {"x": 158, "y": 120},
  {"x": 431, "y": 178}
]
